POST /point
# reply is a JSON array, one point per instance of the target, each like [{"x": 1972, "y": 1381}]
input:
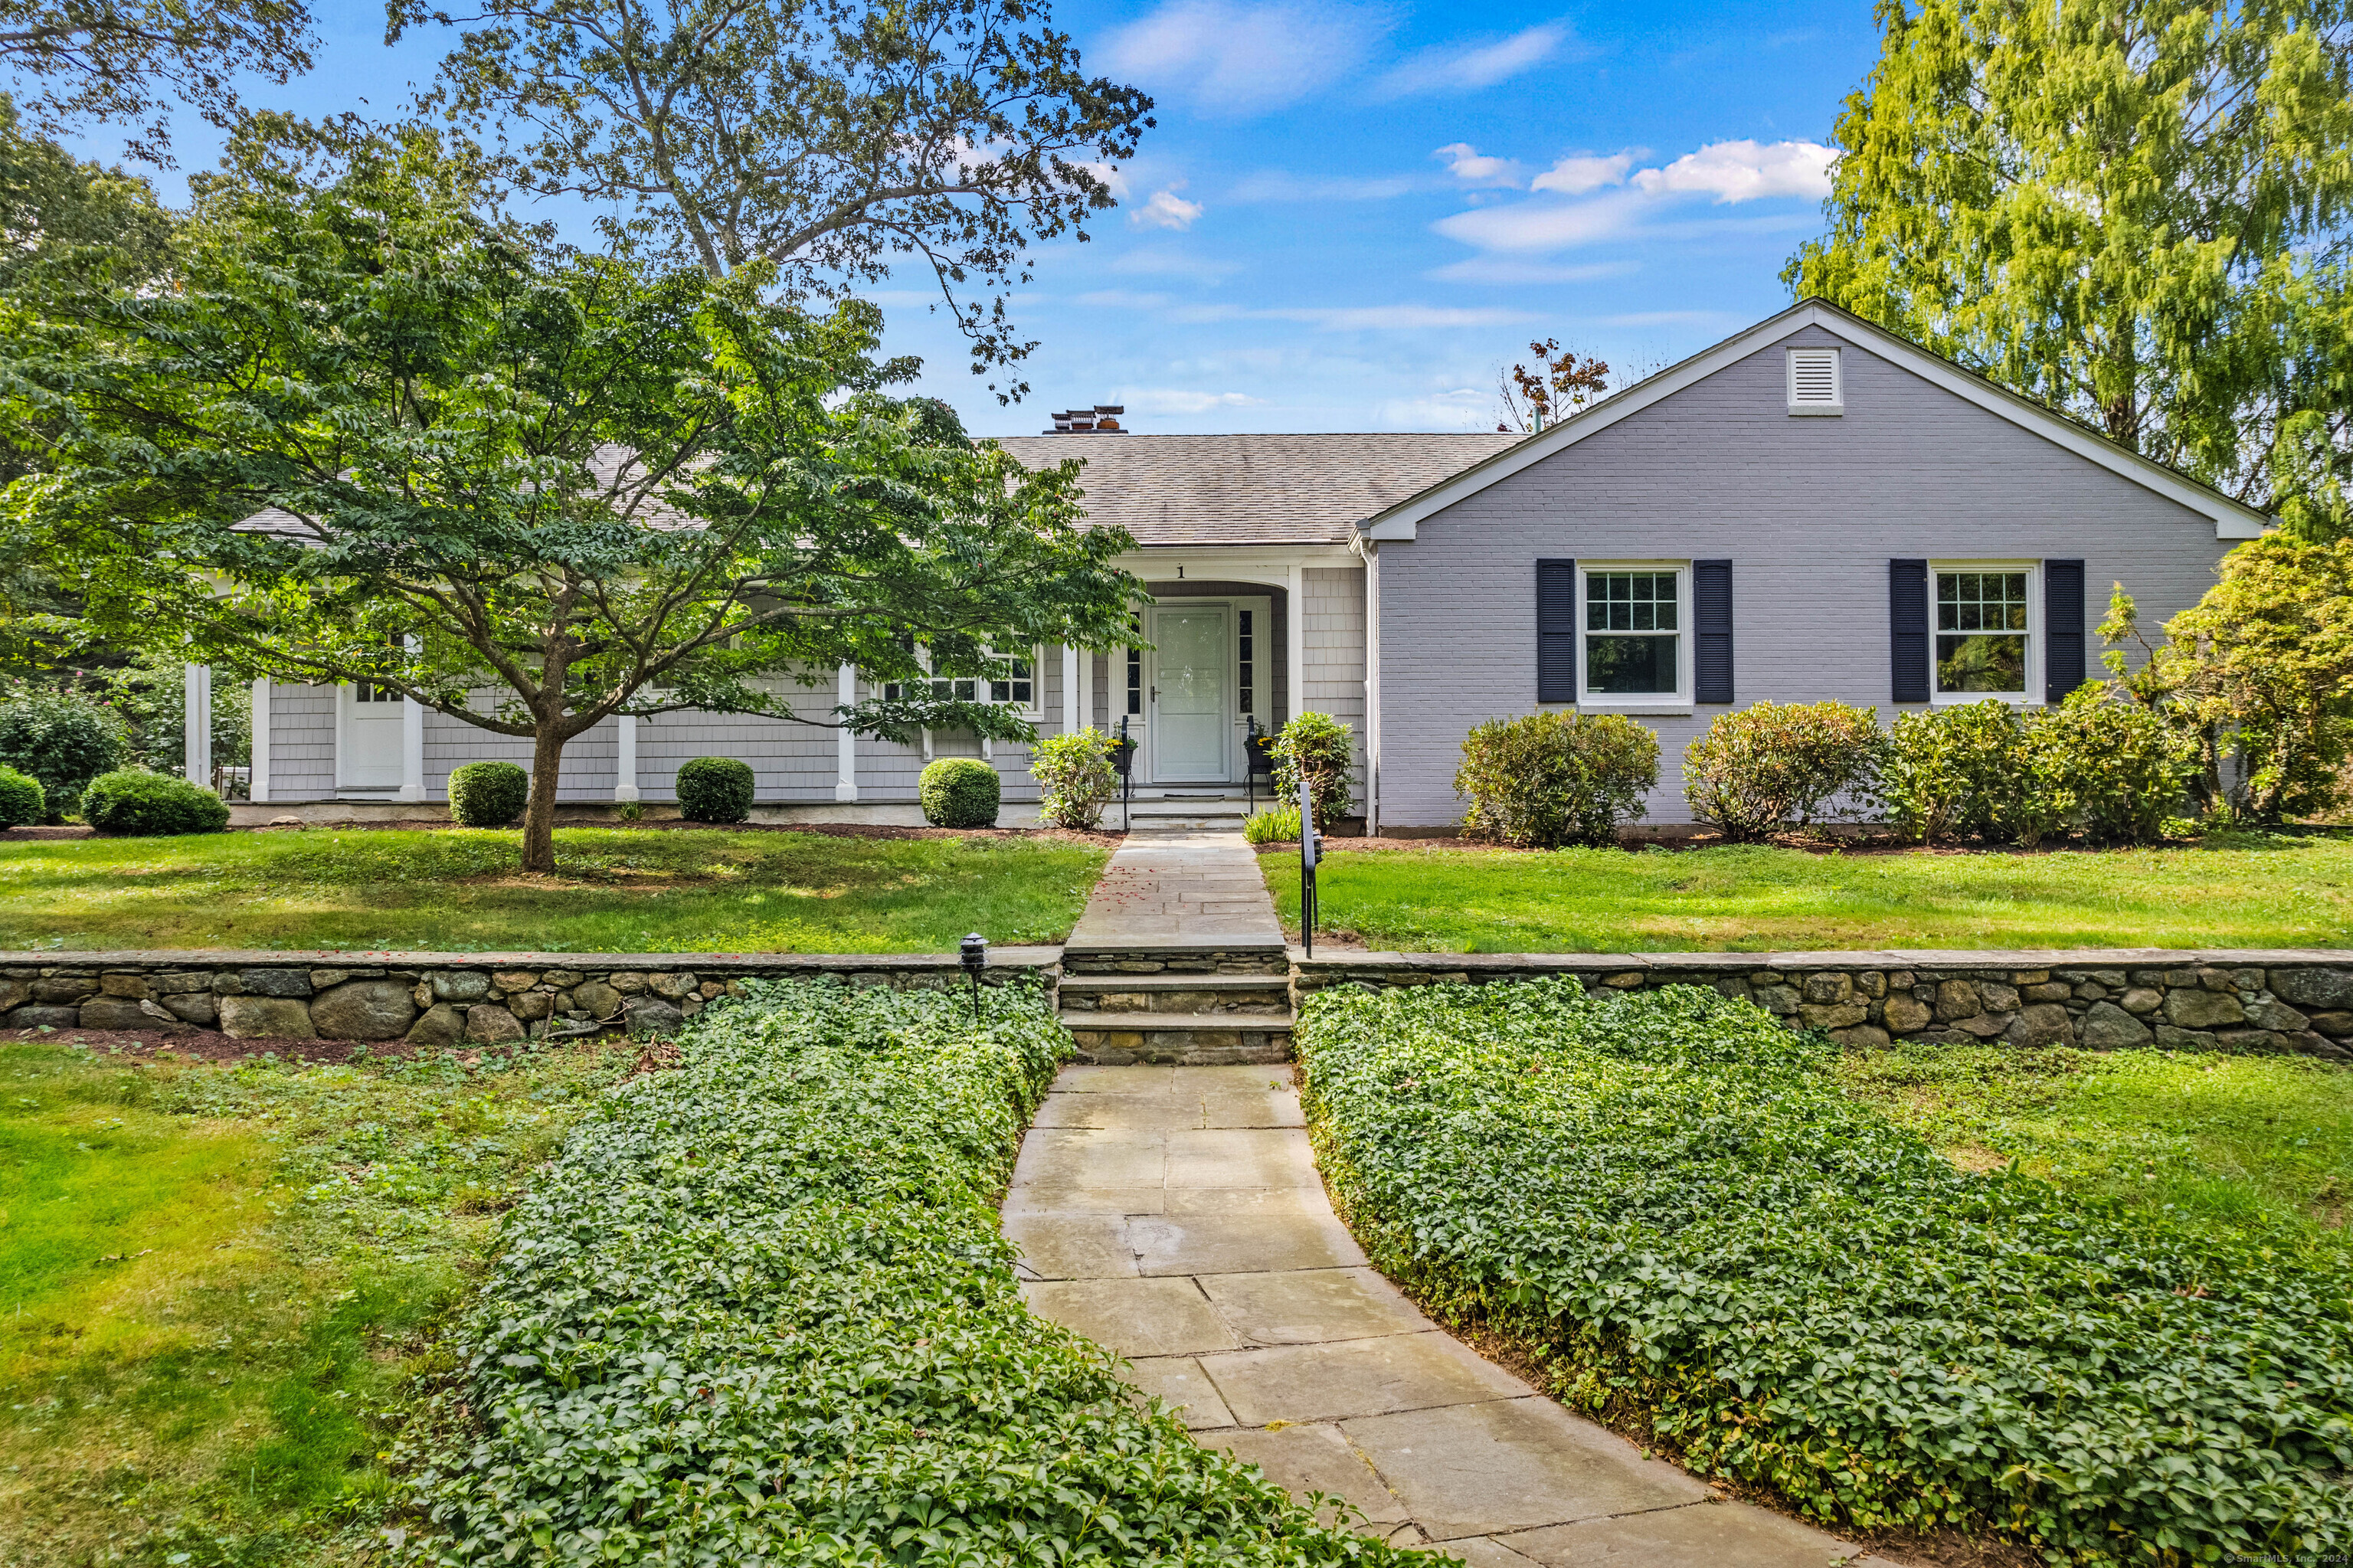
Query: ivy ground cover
[
  {"x": 758, "y": 1312},
  {"x": 616, "y": 890},
  {"x": 2241, "y": 890},
  {"x": 1666, "y": 1199}
]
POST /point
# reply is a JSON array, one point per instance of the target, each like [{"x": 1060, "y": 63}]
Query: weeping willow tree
[{"x": 2135, "y": 211}]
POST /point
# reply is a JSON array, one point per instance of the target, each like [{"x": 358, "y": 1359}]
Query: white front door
[
  {"x": 1193, "y": 702},
  {"x": 369, "y": 741}
]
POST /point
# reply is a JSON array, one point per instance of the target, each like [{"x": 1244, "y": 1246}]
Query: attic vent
[{"x": 1814, "y": 382}]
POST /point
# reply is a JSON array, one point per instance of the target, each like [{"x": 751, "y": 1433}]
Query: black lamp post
[{"x": 975, "y": 953}]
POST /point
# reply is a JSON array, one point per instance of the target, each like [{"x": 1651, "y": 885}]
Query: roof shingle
[{"x": 1252, "y": 489}]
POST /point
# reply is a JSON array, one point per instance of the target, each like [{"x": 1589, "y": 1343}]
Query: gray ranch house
[{"x": 1812, "y": 509}]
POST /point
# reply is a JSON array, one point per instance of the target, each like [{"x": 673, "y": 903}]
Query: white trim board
[{"x": 2231, "y": 520}]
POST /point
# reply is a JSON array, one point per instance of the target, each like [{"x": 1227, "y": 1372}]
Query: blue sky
[{"x": 1351, "y": 217}]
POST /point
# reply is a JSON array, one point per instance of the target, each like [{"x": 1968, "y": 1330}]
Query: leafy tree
[
  {"x": 2134, "y": 211},
  {"x": 528, "y": 489},
  {"x": 821, "y": 138},
  {"x": 1558, "y": 387},
  {"x": 2261, "y": 671},
  {"x": 129, "y": 60}
]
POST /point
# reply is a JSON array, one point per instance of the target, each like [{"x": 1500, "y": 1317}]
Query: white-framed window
[
  {"x": 1012, "y": 681},
  {"x": 1985, "y": 627},
  {"x": 1633, "y": 634},
  {"x": 1817, "y": 382}
]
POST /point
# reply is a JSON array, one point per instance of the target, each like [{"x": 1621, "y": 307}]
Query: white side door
[
  {"x": 367, "y": 738},
  {"x": 1192, "y": 707}
]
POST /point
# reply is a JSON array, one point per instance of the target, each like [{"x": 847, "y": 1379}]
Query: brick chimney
[{"x": 1102, "y": 419}]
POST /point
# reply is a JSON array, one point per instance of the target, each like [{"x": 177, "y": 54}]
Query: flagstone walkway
[{"x": 1175, "y": 1216}]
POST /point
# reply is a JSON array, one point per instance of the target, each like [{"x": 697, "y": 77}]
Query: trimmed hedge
[
  {"x": 1553, "y": 779},
  {"x": 150, "y": 805},
  {"x": 758, "y": 1311},
  {"x": 714, "y": 790},
  {"x": 22, "y": 799},
  {"x": 960, "y": 792},
  {"x": 488, "y": 794},
  {"x": 1666, "y": 1199}
]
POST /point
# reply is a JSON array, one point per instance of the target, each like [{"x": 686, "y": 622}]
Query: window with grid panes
[
  {"x": 1632, "y": 634},
  {"x": 1983, "y": 631},
  {"x": 1246, "y": 656}
]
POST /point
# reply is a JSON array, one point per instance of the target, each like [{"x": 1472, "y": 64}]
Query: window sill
[
  {"x": 1963, "y": 699},
  {"x": 1666, "y": 707}
]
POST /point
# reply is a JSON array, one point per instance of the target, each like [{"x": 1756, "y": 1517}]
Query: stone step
[
  {"x": 1117, "y": 1038},
  {"x": 1176, "y": 996},
  {"x": 1240, "y": 956}
]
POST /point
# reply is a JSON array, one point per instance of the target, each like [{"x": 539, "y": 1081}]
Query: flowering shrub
[
  {"x": 1315, "y": 745},
  {"x": 1075, "y": 778},
  {"x": 759, "y": 1313},
  {"x": 1663, "y": 1198},
  {"x": 1777, "y": 764},
  {"x": 1555, "y": 778}
]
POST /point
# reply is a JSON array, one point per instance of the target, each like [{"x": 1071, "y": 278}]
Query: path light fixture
[
  {"x": 1308, "y": 845},
  {"x": 975, "y": 953}
]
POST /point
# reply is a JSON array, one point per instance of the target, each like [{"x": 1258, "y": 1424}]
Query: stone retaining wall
[
  {"x": 2292, "y": 1000},
  {"x": 435, "y": 998}
]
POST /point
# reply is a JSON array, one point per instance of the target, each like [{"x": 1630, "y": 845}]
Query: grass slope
[
  {"x": 2243, "y": 891},
  {"x": 760, "y": 1312},
  {"x": 1669, "y": 1202},
  {"x": 2261, "y": 1147},
  {"x": 616, "y": 891},
  {"x": 210, "y": 1276}
]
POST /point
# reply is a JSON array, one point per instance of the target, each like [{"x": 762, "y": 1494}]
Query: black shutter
[
  {"x": 1711, "y": 632},
  {"x": 1556, "y": 631},
  {"x": 2063, "y": 628},
  {"x": 1907, "y": 628}
]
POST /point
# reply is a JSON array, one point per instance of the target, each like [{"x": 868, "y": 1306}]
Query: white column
[
  {"x": 197, "y": 722},
  {"x": 258, "y": 790},
  {"x": 1071, "y": 718},
  {"x": 625, "y": 766},
  {"x": 1087, "y": 687},
  {"x": 1294, "y": 625},
  {"x": 845, "y": 786},
  {"x": 412, "y": 742},
  {"x": 1372, "y": 555}
]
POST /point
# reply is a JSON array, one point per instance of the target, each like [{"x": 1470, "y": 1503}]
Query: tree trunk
[{"x": 539, "y": 815}]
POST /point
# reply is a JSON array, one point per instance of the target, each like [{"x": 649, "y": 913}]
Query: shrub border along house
[
  {"x": 1671, "y": 1208},
  {"x": 759, "y": 1311}
]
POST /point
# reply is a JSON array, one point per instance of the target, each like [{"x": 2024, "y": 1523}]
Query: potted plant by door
[{"x": 1257, "y": 760}]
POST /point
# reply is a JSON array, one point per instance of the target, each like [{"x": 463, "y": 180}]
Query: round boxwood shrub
[
  {"x": 960, "y": 792},
  {"x": 150, "y": 805},
  {"x": 714, "y": 790},
  {"x": 22, "y": 799},
  {"x": 488, "y": 794}
]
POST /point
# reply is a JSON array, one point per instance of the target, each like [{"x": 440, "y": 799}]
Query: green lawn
[
  {"x": 211, "y": 1278},
  {"x": 2260, "y": 1145},
  {"x": 616, "y": 891},
  {"x": 2242, "y": 891}
]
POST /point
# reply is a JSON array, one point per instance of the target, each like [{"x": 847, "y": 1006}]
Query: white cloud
[
  {"x": 1745, "y": 171},
  {"x": 1176, "y": 400},
  {"x": 1241, "y": 59},
  {"x": 1538, "y": 226},
  {"x": 1505, "y": 270},
  {"x": 1594, "y": 212},
  {"x": 1466, "y": 68},
  {"x": 1278, "y": 185},
  {"x": 1166, "y": 209},
  {"x": 1574, "y": 177},
  {"x": 1472, "y": 168}
]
